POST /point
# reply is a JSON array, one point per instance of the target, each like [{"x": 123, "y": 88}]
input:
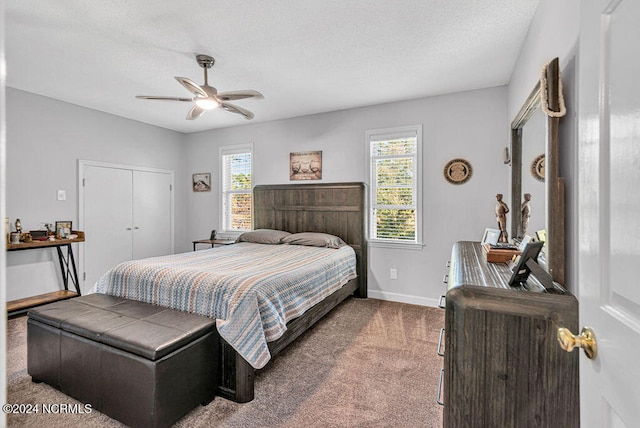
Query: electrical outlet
[
  {"x": 393, "y": 273},
  {"x": 62, "y": 195}
]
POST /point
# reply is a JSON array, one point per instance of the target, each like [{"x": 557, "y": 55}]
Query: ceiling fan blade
[
  {"x": 154, "y": 97},
  {"x": 195, "y": 113},
  {"x": 235, "y": 109},
  {"x": 238, "y": 95},
  {"x": 192, "y": 87}
]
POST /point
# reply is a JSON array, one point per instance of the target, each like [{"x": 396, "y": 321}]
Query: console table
[
  {"x": 67, "y": 269},
  {"x": 503, "y": 366}
]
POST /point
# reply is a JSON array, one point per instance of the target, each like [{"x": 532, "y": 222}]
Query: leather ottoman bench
[{"x": 144, "y": 365}]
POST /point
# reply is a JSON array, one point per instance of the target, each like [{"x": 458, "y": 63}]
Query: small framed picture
[
  {"x": 202, "y": 182},
  {"x": 491, "y": 236},
  {"x": 520, "y": 270},
  {"x": 305, "y": 165},
  {"x": 63, "y": 229}
]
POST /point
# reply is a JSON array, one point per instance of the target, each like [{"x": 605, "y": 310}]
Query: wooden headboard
[{"x": 336, "y": 208}]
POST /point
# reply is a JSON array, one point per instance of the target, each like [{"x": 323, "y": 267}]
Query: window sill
[{"x": 396, "y": 245}]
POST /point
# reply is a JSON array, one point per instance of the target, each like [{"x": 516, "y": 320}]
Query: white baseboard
[{"x": 403, "y": 298}]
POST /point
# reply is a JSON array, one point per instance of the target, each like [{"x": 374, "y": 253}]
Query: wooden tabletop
[
  {"x": 43, "y": 244},
  {"x": 213, "y": 242}
]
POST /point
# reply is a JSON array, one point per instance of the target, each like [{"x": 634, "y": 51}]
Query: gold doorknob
[{"x": 586, "y": 340}]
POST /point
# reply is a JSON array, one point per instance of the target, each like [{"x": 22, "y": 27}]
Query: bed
[{"x": 254, "y": 326}]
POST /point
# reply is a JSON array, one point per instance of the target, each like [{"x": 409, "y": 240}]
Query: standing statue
[
  {"x": 501, "y": 217},
  {"x": 526, "y": 213}
]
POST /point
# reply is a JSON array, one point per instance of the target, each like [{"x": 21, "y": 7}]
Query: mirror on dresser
[
  {"x": 532, "y": 173},
  {"x": 534, "y": 132}
]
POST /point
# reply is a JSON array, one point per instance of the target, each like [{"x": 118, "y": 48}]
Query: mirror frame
[{"x": 554, "y": 184}]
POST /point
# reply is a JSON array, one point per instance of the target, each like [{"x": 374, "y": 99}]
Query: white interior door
[
  {"x": 107, "y": 216},
  {"x": 609, "y": 223},
  {"x": 151, "y": 214}
]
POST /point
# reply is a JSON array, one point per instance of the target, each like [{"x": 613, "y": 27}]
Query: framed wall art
[
  {"x": 458, "y": 171},
  {"x": 202, "y": 182},
  {"x": 305, "y": 165}
]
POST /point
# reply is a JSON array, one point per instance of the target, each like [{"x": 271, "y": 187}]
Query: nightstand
[{"x": 213, "y": 242}]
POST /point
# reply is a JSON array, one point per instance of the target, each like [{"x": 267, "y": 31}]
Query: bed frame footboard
[
  {"x": 336, "y": 208},
  {"x": 236, "y": 374}
]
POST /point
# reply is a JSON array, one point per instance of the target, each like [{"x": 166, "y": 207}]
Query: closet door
[
  {"x": 151, "y": 214},
  {"x": 108, "y": 209},
  {"x": 126, "y": 213}
]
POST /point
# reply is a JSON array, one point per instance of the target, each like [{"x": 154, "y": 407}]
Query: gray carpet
[{"x": 368, "y": 363}]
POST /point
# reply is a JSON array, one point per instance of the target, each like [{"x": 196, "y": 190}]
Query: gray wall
[
  {"x": 554, "y": 33},
  {"x": 470, "y": 125},
  {"x": 45, "y": 140}
]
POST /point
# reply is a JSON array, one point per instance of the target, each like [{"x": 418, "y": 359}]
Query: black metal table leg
[
  {"x": 75, "y": 271},
  {"x": 67, "y": 269}
]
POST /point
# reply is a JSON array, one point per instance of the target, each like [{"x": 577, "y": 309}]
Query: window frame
[
  {"x": 396, "y": 132},
  {"x": 222, "y": 152}
]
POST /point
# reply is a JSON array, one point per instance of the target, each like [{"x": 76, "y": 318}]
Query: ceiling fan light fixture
[
  {"x": 206, "y": 103},
  {"x": 206, "y": 97}
]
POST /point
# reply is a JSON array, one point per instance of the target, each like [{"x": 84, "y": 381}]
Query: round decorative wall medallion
[
  {"x": 458, "y": 171},
  {"x": 537, "y": 167}
]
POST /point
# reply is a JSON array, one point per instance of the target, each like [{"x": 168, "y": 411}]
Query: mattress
[{"x": 252, "y": 290}]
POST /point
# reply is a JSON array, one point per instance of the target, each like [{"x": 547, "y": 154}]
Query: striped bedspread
[{"x": 252, "y": 290}]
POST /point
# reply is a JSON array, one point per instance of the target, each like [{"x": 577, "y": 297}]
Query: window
[
  {"x": 235, "y": 186},
  {"x": 394, "y": 183}
]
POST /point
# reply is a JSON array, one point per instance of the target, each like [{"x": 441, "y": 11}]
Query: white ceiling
[{"x": 306, "y": 56}]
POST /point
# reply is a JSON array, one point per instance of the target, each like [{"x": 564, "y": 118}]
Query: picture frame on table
[
  {"x": 63, "y": 229},
  {"x": 491, "y": 236},
  {"x": 520, "y": 269}
]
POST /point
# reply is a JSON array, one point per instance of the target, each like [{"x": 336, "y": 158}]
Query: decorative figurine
[
  {"x": 501, "y": 217},
  {"x": 526, "y": 212},
  {"x": 18, "y": 226}
]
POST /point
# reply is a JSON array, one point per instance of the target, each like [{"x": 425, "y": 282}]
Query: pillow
[
  {"x": 263, "y": 236},
  {"x": 314, "y": 239}
]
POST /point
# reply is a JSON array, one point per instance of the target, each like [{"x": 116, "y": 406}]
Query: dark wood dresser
[{"x": 503, "y": 364}]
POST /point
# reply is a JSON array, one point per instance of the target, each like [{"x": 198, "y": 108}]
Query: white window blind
[
  {"x": 395, "y": 184},
  {"x": 236, "y": 185}
]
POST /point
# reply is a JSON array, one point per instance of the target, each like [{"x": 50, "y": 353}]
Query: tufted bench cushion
[{"x": 141, "y": 364}]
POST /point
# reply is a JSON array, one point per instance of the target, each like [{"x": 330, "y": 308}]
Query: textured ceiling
[{"x": 306, "y": 57}]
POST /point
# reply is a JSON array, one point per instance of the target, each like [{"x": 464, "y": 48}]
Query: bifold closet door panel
[
  {"x": 151, "y": 214},
  {"x": 108, "y": 210}
]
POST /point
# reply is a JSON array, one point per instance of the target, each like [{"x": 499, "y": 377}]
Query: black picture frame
[{"x": 521, "y": 271}]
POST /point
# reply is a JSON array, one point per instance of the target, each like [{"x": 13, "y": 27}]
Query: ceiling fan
[{"x": 207, "y": 97}]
